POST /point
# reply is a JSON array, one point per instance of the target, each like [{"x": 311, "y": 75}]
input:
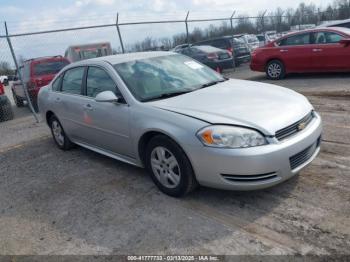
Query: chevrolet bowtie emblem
[{"x": 301, "y": 126}]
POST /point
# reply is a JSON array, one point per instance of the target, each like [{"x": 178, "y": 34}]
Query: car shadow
[
  {"x": 302, "y": 76},
  {"x": 100, "y": 205}
]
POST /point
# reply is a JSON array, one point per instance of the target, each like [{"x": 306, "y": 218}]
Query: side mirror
[
  {"x": 345, "y": 42},
  {"x": 107, "y": 96}
]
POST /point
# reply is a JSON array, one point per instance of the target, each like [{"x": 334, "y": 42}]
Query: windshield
[
  {"x": 49, "y": 67},
  {"x": 153, "y": 77}
]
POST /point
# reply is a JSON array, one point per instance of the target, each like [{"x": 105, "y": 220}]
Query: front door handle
[
  {"x": 57, "y": 99},
  {"x": 317, "y": 50},
  {"x": 88, "y": 107},
  {"x": 284, "y": 50}
]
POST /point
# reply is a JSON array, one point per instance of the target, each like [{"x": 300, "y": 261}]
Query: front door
[
  {"x": 296, "y": 52},
  {"x": 106, "y": 124}
]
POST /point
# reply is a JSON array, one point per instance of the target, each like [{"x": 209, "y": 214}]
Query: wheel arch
[
  {"x": 278, "y": 59},
  {"x": 48, "y": 115},
  {"x": 147, "y": 136}
]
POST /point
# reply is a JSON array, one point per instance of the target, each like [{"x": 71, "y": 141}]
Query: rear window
[
  {"x": 49, "y": 67},
  {"x": 207, "y": 48},
  {"x": 92, "y": 53}
]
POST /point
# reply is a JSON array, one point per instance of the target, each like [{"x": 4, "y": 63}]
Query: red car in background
[
  {"x": 36, "y": 73},
  {"x": 313, "y": 50}
]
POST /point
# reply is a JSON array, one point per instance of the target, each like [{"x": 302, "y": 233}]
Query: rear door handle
[
  {"x": 284, "y": 50},
  {"x": 57, "y": 99},
  {"x": 88, "y": 107},
  {"x": 317, "y": 50}
]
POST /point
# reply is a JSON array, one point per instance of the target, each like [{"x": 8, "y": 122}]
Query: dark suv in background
[
  {"x": 36, "y": 73},
  {"x": 236, "y": 46},
  {"x": 215, "y": 58}
]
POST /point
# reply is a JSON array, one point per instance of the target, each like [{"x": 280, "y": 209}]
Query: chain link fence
[{"x": 22, "y": 74}]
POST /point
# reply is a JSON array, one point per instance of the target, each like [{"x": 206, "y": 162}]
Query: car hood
[{"x": 265, "y": 107}]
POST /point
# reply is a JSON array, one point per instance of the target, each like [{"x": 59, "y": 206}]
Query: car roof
[
  {"x": 123, "y": 58},
  {"x": 43, "y": 58},
  {"x": 343, "y": 30}
]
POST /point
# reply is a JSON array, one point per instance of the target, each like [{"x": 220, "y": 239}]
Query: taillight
[
  {"x": 230, "y": 49},
  {"x": 212, "y": 56},
  {"x": 2, "y": 90}
]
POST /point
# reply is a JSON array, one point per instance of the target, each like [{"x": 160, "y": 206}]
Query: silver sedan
[{"x": 185, "y": 123}]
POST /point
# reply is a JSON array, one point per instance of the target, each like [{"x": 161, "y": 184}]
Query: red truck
[{"x": 36, "y": 73}]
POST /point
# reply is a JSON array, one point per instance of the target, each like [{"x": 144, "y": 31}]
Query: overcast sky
[{"x": 36, "y": 15}]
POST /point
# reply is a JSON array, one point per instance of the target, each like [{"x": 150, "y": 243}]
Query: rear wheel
[
  {"x": 169, "y": 167},
  {"x": 6, "y": 112},
  {"x": 18, "y": 100},
  {"x": 275, "y": 70},
  {"x": 58, "y": 134}
]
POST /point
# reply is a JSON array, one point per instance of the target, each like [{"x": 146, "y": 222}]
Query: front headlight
[{"x": 230, "y": 137}]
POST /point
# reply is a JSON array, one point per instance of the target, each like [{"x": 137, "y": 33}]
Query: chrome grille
[
  {"x": 249, "y": 178},
  {"x": 294, "y": 128},
  {"x": 303, "y": 156}
]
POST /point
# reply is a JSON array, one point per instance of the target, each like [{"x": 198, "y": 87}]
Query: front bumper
[
  {"x": 259, "y": 67},
  {"x": 223, "y": 64},
  {"x": 242, "y": 58},
  {"x": 256, "y": 167}
]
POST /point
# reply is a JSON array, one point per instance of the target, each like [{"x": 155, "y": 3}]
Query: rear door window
[
  {"x": 72, "y": 80},
  {"x": 327, "y": 38},
  {"x": 56, "y": 85}
]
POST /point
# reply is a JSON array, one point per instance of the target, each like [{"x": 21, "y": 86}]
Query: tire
[
  {"x": 18, "y": 100},
  {"x": 58, "y": 134},
  {"x": 6, "y": 112},
  {"x": 172, "y": 173},
  {"x": 275, "y": 70}
]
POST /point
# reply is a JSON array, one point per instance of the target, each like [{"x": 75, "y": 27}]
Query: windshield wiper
[
  {"x": 166, "y": 95},
  {"x": 212, "y": 83}
]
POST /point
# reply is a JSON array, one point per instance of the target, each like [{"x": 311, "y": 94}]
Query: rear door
[
  {"x": 329, "y": 54},
  {"x": 296, "y": 52},
  {"x": 69, "y": 103}
]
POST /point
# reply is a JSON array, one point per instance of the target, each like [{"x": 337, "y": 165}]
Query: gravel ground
[{"x": 79, "y": 202}]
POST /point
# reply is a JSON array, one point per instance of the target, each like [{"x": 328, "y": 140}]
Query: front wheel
[
  {"x": 58, "y": 134},
  {"x": 275, "y": 70},
  {"x": 169, "y": 167}
]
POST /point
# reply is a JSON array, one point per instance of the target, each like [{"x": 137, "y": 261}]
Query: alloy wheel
[
  {"x": 165, "y": 167},
  {"x": 274, "y": 70},
  {"x": 57, "y": 132}
]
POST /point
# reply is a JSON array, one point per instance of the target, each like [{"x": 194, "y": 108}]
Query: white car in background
[
  {"x": 251, "y": 40},
  {"x": 271, "y": 36}
]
